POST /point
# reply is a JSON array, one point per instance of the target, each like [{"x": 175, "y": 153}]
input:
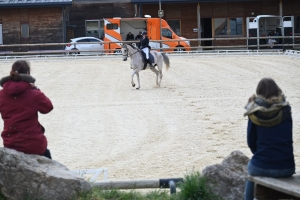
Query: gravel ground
[{"x": 193, "y": 120}]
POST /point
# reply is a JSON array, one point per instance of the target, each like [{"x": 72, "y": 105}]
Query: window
[
  {"x": 175, "y": 25},
  {"x": 94, "y": 28},
  {"x": 227, "y": 26},
  {"x": 166, "y": 33},
  {"x": 112, "y": 26},
  {"x": 94, "y": 40},
  {"x": 83, "y": 41},
  {"x": 24, "y": 31}
]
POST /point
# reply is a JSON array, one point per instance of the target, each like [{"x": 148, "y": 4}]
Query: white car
[{"x": 85, "y": 45}]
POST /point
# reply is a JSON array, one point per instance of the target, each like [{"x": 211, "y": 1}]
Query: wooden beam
[
  {"x": 289, "y": 185},
  {"x": 264, "y": 193}
]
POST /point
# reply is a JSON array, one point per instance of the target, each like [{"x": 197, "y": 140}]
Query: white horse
[{"x": 137, "y": 63}]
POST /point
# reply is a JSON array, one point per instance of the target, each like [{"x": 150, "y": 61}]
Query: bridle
[{"x": 137, "y": 50}]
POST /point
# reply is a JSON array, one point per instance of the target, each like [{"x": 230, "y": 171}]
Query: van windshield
[{"x": 166, "y": 33}]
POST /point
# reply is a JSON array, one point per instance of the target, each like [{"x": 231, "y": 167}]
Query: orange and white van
[{"x": 116, "y": 30}]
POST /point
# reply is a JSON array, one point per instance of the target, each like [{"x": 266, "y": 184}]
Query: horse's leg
[
  {"x": 159, "y": 67},
  {"x": 138, "y": 79},
  {"x": 160, "y": 75},
  {"x": 132, "y": 75},
  {"x": 156, "y": 72}
]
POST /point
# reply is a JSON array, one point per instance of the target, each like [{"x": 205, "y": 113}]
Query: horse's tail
[{"x": 166, "y": 60}]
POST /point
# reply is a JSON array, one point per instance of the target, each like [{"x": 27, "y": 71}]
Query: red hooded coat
[{"x": 19, "y": 107}]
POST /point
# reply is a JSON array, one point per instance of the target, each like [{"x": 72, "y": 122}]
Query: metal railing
[{"x": 4, "y": 49}]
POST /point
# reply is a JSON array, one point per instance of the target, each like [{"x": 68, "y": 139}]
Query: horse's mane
[{"x": 132, "y": 46}]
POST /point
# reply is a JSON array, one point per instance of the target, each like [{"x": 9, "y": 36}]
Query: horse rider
[{"x": 146, "y": 49}]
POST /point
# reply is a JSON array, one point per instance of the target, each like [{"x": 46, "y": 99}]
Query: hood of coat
[
  {"x": 15, "y": 88},
  {"x": 24, "y": 77},
  {"x": 267, "y": 112}
]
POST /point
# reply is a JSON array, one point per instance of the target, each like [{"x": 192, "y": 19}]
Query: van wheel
[
  {"x": 118, "y": 51},
  {"x": 74, "y": 49},
  {"x": 179, "y": 49}
]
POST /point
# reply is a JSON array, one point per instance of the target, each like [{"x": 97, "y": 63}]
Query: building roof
[
  {"x": 33, "y": 3},
  {"x": 184, "y": 1}
]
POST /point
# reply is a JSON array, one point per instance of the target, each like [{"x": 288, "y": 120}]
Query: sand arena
[{"x": 193, "y": 120}]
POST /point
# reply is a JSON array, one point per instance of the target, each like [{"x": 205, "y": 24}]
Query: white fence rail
[
  {"x": 5, "y": 49},
  {"x": 197, "y": 51}
]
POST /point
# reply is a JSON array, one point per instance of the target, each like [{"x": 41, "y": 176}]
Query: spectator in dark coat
[
  {"x": 139, "y": 37},
  {"x": 269, "y": 134},
  {"x": 20, "y": 102},
  {"x": 130, "y": 36}
]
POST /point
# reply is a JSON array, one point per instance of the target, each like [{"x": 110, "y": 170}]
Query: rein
[{"x": 137, "y": 50}]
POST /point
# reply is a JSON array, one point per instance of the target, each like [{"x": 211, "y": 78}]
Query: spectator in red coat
[{"x": 20, "y": 102}]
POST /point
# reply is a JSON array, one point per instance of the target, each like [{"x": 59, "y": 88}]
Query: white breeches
[
  {"x": 271, "y": 42},
  {"x": 146, "y": 51}
]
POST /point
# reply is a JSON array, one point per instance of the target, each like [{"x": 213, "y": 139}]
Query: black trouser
[{"x": 47, "y": 154}]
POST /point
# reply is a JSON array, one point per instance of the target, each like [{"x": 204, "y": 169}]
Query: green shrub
[
  {"x": 2, "y": 197},
  {"x": 196, "y": 187},
  {"x": 193, "y": 187},
  {"x": 159, "y": 195},
  {"x": 98, "y": 194}
]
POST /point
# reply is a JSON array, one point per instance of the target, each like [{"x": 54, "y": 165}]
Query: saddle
[{"x": 151, "y": 58}]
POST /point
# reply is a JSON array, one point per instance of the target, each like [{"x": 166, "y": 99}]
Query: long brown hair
[
  {"x": 19, "y": 67},
  {"x": 267, "y": 88}
]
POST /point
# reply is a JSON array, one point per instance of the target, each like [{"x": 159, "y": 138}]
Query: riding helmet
[{"x": 144, "y": 33}]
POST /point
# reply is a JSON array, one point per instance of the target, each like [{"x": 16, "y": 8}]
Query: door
[
  {"x": 206, "y": 31},
  {"x": 288, "y": 30},
  {"x": 96, "y": 47},
  {"x": 112, "y": 35},
  {"x": 83, "y": 45},
  {"x": 252, "y": 29}
]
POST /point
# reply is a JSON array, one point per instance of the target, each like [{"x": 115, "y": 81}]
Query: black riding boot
[
  {"x": 145, "y": 65},
  {"x": 150, "y": 63}
]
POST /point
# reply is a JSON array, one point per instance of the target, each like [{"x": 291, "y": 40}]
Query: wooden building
[
  {"x": 93, "y": 11},
  {"x": 232, "y": 13},
  {"x": 45, "y": 21},
  {"x": 182, "y": 15},
  {"x": 33, "y": 21}
]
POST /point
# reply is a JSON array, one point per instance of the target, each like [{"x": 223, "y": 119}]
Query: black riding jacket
[{"x": 144, "y": 42}]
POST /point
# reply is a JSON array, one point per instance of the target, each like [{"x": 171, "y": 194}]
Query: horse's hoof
[
  {"x": 133, "y": 85},
  {"x": 137, "y": 88}
]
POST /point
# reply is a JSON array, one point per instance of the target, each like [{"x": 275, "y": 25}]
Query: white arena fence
[
  {"x": 92, "y": 175},
  {"x": 292, "y": 53},
  {"x": 276, "y": 49}
]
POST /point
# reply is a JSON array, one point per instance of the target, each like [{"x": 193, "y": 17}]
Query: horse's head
[{"x": 124, "y": 52}]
